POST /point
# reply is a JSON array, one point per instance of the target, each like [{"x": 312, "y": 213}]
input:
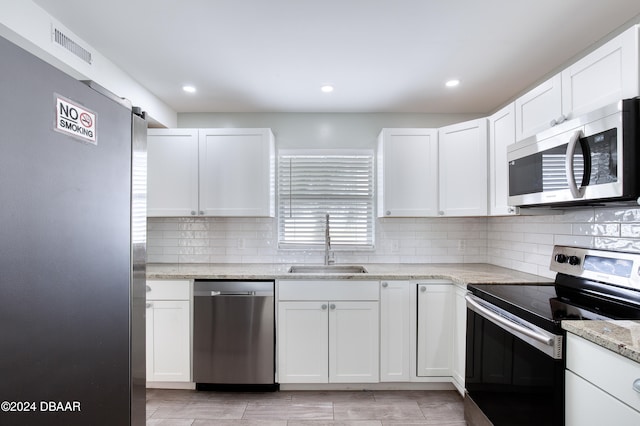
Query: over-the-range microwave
[{"x": 589, "y": 160}]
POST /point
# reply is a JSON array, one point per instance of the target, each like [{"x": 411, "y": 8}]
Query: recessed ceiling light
[
  {"x": 189, "y": 89},
  {"x": 327, "y": 88},
  {"x": 452, "y": 83}
]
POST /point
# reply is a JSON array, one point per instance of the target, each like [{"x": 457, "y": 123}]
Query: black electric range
[{"x": 515, "y": 355}]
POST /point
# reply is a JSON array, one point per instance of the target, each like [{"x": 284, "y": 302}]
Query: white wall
[
  {"x": 321, "y": 130},
  {"x": 29, "y": 26}
]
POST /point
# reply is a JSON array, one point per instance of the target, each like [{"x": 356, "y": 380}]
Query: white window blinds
[{"x": 312, "y": 185}]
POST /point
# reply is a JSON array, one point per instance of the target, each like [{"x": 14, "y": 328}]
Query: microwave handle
[{"x": 568, "y": 166}]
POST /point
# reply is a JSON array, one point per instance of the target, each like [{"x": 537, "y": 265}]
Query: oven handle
[
  {"x": 504, "y": 321},
  {"x": 568, "y": 166}
]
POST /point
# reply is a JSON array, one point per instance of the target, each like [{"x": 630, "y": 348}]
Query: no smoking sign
[{"x": 75, "y": 120}]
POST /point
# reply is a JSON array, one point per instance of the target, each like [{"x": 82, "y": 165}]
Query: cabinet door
[
  {"x": 353, "y": 342},
  {"x": 395, "y": 331},
  {"x": 435, "y": 329},
  {"x": 168, "y": 341},
  {"x": 459, "y": 337},
  {"x": 172, "y": 172},
  {"x": 407, "y": 172},
  {"x": 502, "y": 133},
  {"x": 587, "y": 405},
  {"x": 463, "y": 169},
  {"x": 237, "y": 172},
  {"x": 536, "y": 109},
  {"x": 303, "y": 342},
  {"x": 605, "y": 76}
]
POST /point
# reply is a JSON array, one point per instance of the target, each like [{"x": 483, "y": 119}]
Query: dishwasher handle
[{"x": 214, "y": 293}]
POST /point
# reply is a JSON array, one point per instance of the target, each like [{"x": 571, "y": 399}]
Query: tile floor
[{"x": 313, "y": 408}]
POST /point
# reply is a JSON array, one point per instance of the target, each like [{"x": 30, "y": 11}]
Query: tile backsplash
[
  {"x": 523, "y": 243},
  {"x": 254, "y": 240}
]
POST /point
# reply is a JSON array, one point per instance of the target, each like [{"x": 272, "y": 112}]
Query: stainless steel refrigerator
[{"x": 72, "y": 249}]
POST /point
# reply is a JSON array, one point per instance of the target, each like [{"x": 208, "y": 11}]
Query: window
[{"x": 312, "y": 185}]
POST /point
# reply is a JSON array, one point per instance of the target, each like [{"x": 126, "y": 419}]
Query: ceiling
[{"x": 380, "y": 55}]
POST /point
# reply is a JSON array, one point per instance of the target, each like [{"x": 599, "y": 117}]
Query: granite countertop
[
  {"x": 620, "y": 336},
  {"x": 467, "y": 273}
]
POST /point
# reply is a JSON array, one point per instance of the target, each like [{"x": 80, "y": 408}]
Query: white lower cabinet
[
  {"x": 327, "y": 342},
  {"x": 435, "y": 329},
  {"x": 329, "y": 339},
  {"x": 395, "y": 331},
  {"x": 168, "y": 341},
  {"x": 600, "y": 386},
  {"x": 459, "y": 336},
  {"x": 353, "y": 342},
  {"x": 303, "y": 342}
]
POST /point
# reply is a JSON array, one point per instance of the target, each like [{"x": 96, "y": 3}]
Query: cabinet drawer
[
  {"x": 609, "y": 371},
  {"x": 328, "y": 290},
  {"x": 168, "y": 289}
]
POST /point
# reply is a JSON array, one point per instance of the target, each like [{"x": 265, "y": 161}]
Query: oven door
[{"x": 514, "y": 370}]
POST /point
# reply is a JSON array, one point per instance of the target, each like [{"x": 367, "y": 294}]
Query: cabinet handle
[
  {"x": 324, "y": 307},
  {"x": 441, "y": 213},
  {"x": 423, "y": 288},
  {"x": 511, "y": 210},
  {"x": 385, "y": 285},
  {"x": 148, "y": 289},
  {"x": 636, "y": 385},
  {"x": 332, "y": 306},
  {"x": 149, "y": 305},
  {"x": 201, "y": 212},
  {"x": 387, "y": 213},
  {"x": 193, "y": 212}
]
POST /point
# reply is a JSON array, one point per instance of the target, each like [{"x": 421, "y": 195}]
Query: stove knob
[
  {"x": 561, "y": 258},
  {"x": 574, "y": 260}
]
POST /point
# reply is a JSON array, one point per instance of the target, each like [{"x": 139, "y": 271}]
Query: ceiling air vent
[{"x": 64, "y": 41}]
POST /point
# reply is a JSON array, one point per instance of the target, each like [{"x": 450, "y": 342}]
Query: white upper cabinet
[
  {"x": 463, "y": 169},
  {"x": 501, "y": 134},
  {"x": 237, "y": 172},
  {"x": 407, "y": 172},
  {"x": 604, "y": 76},
  {"x": 538, "y": 108},
  {"x": 172, "y": 172},
  {"x": 211, "y": 172}
]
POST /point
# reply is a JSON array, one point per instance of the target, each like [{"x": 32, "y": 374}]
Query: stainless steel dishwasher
[{"x": 233, "y": 335}]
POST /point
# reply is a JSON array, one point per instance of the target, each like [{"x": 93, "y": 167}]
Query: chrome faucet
[{"x": 328, "y": 255}]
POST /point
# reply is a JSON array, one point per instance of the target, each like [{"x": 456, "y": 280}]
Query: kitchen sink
[{"x": 327, "y": 269}]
